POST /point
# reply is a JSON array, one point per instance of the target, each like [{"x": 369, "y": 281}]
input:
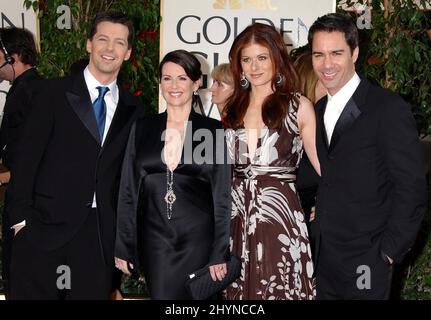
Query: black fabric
[
  {"x": 90, "y": 276},
  {"x": 307, "y": 181},
  {"x": 335, "y": 281},
  {"x": 198, "y": 232},
  {"x": 201, "y": 286},
  {"x": 372, "y": 192},
  {"x": 16, "y": 109}
]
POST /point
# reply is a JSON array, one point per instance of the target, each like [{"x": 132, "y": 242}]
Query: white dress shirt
[
  {"x": 336, "y": 104},
  {"x": 111, "y": 97},
  {"x": 111, "y": 101}
]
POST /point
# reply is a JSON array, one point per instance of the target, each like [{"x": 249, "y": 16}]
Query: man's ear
[
  {"x": 355, "y": 54},
  {"x": 128, "y": 53},
  {"x": 88, "y": 45},
  {"x": 16, "y": 58}
]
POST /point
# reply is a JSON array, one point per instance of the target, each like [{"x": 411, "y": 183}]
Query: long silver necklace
[{"x": 170, "y": 195}]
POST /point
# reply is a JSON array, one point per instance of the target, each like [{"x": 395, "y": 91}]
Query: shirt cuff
[{"x": 21, "y": 224}]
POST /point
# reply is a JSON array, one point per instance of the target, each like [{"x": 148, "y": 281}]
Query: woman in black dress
[{"x": 174, "y": 168}]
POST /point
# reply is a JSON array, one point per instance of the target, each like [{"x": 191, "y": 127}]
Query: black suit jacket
[
  {"x": 16, "y": 109},
  {"x": 372, "y": 193},
  {"x": 61, "y": 164}
]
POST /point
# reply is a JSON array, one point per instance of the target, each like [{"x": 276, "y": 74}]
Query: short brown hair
[{"x": 114, "y": 17}]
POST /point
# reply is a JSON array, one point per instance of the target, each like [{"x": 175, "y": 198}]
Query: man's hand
[{"x": 123, "y": 265}]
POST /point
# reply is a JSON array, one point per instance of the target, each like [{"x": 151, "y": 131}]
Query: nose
[
  {"x": 213, "y": 87},
  {"x": 110, "y": 45},
  {"x": 253, "y": 64},
  {"x": 327, "y": 62}
]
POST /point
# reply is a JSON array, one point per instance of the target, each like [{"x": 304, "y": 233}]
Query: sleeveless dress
[{"x": 268, "y": 229}]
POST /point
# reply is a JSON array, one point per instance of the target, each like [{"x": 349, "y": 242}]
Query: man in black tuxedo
[
  {"x": 372, "y": 192},
  {"x": 18, "y": 58},
  {"x": 65, "y": 181}
]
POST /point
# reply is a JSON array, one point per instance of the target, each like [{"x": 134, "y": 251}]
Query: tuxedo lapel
[
  {"x": 353, "y": 109},
  {"x": 80, "y": 101},
  {"x": 350, "y": 113},
  {"x": 124, "y": 111}
]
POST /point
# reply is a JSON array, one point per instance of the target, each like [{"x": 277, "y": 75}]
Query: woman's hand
[
  {"x": 218, "y": 271},
  {"x": 123, "y": 265}
]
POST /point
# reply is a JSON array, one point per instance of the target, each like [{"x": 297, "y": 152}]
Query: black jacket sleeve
[
  {"x": 404, "y": 160},
  {"x": 131, "y": 177},
  {"x": 221, "y": 192}
]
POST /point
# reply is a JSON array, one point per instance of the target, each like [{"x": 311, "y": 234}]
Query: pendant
[{"x": 170, "y": 195}]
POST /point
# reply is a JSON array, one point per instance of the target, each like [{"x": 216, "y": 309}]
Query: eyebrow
[
  {"x": 260, "y": 54},
  {"x": 168, "y": 75},
  {"x": 332, "y": 51},
  {"x": 107, "y": 36}
]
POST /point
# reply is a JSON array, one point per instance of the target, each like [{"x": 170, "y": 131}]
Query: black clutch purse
[{"x": 201, "y": 286}]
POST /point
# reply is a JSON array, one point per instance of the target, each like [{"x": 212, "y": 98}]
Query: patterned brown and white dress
[{"x": 268, "y": 229}]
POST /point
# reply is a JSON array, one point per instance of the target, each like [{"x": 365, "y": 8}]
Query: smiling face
[
  {"x": 108, "y": 49},
  {"x": 333, "y": 61},
  {"x": 257, "y": 65},
  {"x": 177, "y": 87}
]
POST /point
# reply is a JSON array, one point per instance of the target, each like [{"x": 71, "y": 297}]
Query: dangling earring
[
  {"x": 195, "y": 93},
  {"x": 279, "y": 80},
  {"x": 244, "y": 82}
]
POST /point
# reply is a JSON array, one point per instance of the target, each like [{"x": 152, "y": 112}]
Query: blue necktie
[{"x": 99, "y": 107}]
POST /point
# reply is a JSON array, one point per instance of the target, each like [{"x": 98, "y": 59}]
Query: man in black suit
[
  {"x": 18, "y": 58},
  {"x": 372, "y": 193},
  {"x": 65, "y": 182}
]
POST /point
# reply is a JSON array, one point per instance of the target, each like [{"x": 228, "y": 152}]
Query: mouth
[
  {"x": 328, "y": 76},
  {"x": 107, "y": 57},
  {"x": 175, "y": 94},
  {"x": 255, "y": 75}
]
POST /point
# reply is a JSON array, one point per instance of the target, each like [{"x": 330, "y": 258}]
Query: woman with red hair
[{"x": 271, "y": 126}]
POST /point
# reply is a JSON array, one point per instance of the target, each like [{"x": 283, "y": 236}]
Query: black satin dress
[{"x": 198, "y": 231}]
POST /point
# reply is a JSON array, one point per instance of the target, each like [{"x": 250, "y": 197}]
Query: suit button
[
  {"x": 331, "y": 157},
  {"x": 327, "y": 184}
]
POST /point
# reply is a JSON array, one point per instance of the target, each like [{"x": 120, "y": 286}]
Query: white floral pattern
[{"x": 268, "y": 228}]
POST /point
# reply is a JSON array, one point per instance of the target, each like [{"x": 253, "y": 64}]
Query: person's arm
[
  {"x": 307, "y": 129},
  {"x": 126, "y": 234},
  {"x": 404, "y": 159},
  {"x": 221, "y": 194},
  {"x": 28, "y": 155}
]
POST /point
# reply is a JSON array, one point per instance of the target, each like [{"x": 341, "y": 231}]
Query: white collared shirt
[
  {"x": 336, "y": 104},
  {"x": 111, "y": 97},
  {"x": 111, "y": 100}
]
